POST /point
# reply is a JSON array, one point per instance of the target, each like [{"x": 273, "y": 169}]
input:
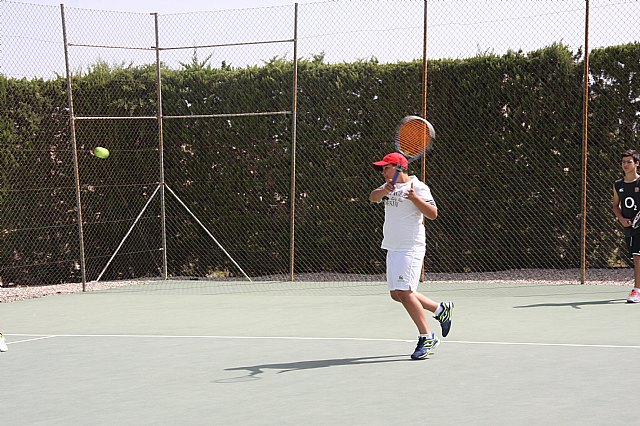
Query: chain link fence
[{"x": 241, "y": 140}]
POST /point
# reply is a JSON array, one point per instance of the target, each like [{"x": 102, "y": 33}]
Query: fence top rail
[
  {"x": 239, "y": 114},
  {"x": 114, "y": 118},
  {"x": 247, "y": 43}
]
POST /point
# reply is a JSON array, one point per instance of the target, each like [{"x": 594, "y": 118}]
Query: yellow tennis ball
[{"x": 101, "y": 152}]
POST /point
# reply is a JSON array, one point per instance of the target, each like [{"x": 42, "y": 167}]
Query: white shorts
[{"x": 404, "y": 269}]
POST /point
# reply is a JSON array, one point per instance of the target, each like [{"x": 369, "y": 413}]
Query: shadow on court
[
  {"x": 255, "y": 370},
  {"x": 574, "y": 305}
]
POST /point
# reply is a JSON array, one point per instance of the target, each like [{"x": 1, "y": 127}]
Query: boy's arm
[
  {"x": 379, "y": 193},
  {"x": 428, "y": 210}
]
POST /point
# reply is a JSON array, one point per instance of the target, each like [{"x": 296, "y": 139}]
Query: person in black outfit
[{"x": 626, "y": 205}]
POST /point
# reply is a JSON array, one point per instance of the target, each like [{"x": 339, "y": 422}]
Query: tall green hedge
[{"x": 506, "y": 170}]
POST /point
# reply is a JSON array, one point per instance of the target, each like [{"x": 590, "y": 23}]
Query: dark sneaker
[
  {"x": 444, "y": 317},
  {"x": 425, "y": 347}
]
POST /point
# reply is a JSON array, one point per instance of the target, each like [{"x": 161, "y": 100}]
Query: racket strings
[{"x": 414, "y": 137}]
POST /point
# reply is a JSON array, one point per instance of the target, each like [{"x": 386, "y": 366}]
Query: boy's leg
[
  {"x": 427, "y": 303},
  {"x": 634, "y": 296},
  {"x": 443, "y": 314},
  {"x": 443, "y": 317},
  {"x": 634, "y": 248},
  {"x": 427, "y": 341},
  {"x": 403, "y": 274},
  {"x": 413, "y": 307}
]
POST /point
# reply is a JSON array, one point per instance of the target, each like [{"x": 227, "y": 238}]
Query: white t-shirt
[{"x": 403, "y": 223}]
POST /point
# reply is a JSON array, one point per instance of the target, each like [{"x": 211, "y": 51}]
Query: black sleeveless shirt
[{"x": 629, "y": 195}]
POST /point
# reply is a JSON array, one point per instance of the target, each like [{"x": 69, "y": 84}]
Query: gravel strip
[
  {"x": 620, "y": 277},
  {"x": 23, "y": 292}
]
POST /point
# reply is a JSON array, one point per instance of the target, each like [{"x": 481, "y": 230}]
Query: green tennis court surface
[{"x": 199, "y": 353}]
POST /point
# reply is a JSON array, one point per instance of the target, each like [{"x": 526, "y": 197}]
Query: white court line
[
  {"x": 355, "y": 339},
  {"x": 569, "y": 345},
  {"x": 27, "y": 340}
]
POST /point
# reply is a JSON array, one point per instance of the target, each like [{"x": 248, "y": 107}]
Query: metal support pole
[
  {"x": 424, "y": 79},
  {"x": 161, "y": 152},
  {"x": 294, "y": 115},
  {"x": 585, "y": 151},
  {"x": 424, "y": 97},
  {"x": 208, "y": 232},
  {"x": 74, "y": 150},
  {"x": 135, "y": 222}
]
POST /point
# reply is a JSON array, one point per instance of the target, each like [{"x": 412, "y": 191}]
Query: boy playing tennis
[
  {"x": 626, "y": 204},
  {"x": 406, "y": 204}
]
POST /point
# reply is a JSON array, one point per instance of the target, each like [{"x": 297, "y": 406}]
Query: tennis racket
[
  {"x": 635, "y": 223},
  {"x": 413, "y": 138}
]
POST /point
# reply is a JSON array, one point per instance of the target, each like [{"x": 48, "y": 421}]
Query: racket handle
[{"x": 395, "y": 177}]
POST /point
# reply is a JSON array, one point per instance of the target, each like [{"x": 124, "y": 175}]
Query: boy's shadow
[
  {"x": 255, "y": 370},
  {"x": 574, "y": 305}
]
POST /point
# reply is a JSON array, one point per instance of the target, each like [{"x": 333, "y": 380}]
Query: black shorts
[{"x": 633, "y": 244}]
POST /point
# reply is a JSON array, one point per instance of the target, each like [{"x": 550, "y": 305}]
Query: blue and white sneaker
[
  {"x": 444, "y": 317},
  {"x": 3, "y": 344},
  {"x": 425, "y": 347}
]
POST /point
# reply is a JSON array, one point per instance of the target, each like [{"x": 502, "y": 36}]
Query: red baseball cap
[{"x": 394, "y": 158}]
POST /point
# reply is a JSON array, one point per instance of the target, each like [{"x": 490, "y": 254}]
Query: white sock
[
  {"x": 439, "y": 309},
  {"x": 428, "y": 336}
]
